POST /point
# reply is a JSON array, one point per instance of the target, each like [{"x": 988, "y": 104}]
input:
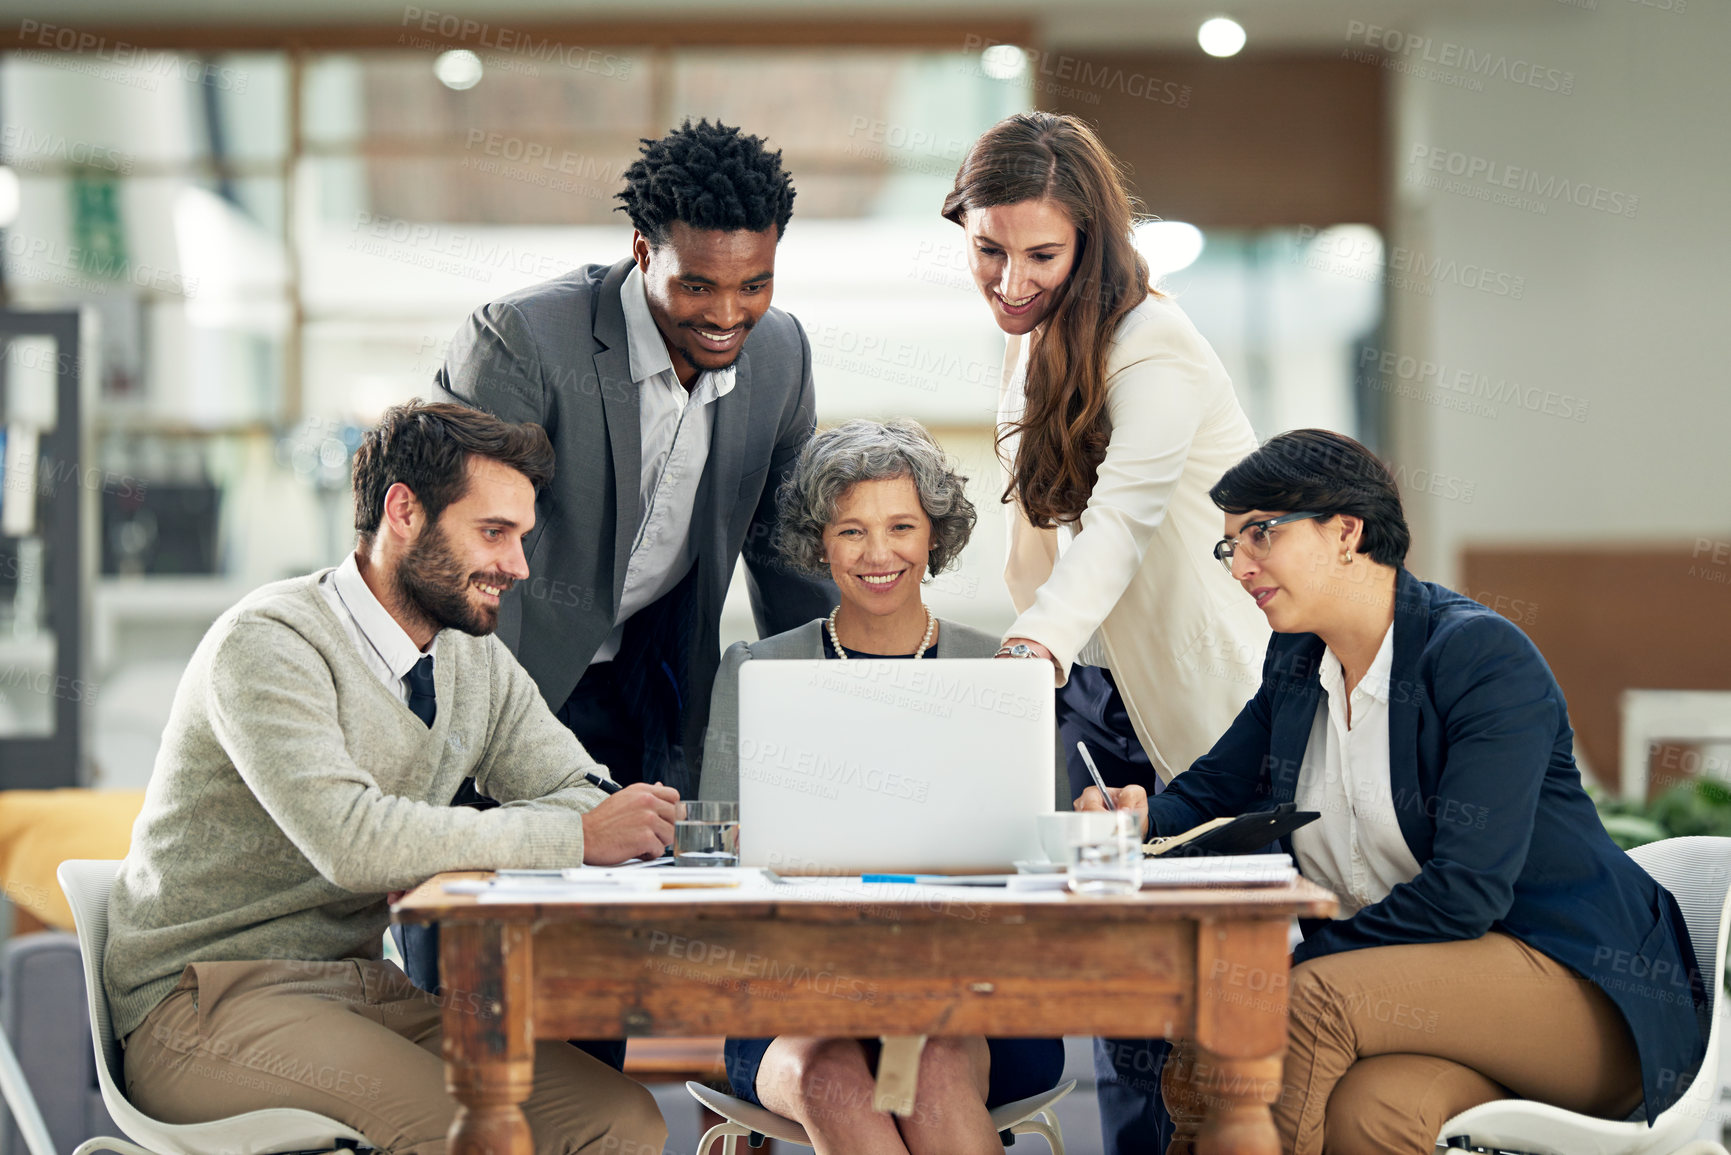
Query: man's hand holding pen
[{"x": 633, "y": 822}]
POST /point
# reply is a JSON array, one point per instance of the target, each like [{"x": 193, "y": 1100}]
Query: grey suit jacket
[
  {"x": 556, "y": 354},
  {"x": 720, "y": 782}
]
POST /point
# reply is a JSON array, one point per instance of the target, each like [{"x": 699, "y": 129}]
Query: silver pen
[{"x": 1094, "y": 773}]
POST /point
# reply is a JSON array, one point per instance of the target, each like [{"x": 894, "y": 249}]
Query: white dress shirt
[
  {"x": 1356, "y": 848},
  {"x": 677, "y": 427},
  {"x": 384, "y": 646}
]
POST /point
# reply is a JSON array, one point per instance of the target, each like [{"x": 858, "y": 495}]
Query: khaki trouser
[
  {"x": 1387, "y": 1044},
  {"x": 355, "y": 1042}
]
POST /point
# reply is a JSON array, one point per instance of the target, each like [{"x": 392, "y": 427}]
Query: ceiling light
[
  {"x": 459, "y": 69},
  {"x": 1221, "y": 36}
]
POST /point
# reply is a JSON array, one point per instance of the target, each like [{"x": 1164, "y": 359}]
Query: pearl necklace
[{"x": 925, "y": 642}]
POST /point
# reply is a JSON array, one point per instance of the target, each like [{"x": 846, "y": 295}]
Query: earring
[{"x": 1346, "y": 556}]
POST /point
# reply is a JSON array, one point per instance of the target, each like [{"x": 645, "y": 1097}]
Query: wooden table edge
[{"x": 1300, "y": 898}]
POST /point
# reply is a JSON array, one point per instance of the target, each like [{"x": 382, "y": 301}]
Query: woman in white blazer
[{"x": 1114, "y": 419}]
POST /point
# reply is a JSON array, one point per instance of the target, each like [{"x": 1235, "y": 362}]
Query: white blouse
[{"x": 1356, "y": 848}]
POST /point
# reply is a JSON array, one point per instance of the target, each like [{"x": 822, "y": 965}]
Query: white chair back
[
  {"x": 1697, "y": 872},
  {"x": 87, "y": 883}
]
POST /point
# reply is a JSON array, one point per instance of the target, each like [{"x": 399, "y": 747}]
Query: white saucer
[{"x": 1026, "y": 866}]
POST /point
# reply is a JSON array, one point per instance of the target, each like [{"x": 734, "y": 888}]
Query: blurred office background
[{"x": 1485, "y": 236}]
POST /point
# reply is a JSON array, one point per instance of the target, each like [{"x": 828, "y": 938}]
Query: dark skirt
[{"x": 1020, "y": 1067}]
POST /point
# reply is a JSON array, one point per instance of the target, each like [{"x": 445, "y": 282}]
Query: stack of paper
[
  {"x": 580, "y": 884},
  {"x": 1219, "y": 870}
]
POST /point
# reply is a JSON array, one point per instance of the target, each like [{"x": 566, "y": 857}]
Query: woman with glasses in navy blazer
[{"x": 1493, "y": 941}]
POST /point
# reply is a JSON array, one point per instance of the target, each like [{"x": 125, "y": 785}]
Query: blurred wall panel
[
  {"x": 1610, "y": 619},
  {"x": 1251, "y": 142}
]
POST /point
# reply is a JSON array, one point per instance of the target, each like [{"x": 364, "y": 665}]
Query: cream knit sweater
[{"x": 293, "y": 790}]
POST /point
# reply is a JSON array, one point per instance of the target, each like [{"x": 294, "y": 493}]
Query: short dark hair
[
  {"x": 711, "y": 177},
  {"x": 1324, "y": 472},
  {"x": 427, "y": 446}
]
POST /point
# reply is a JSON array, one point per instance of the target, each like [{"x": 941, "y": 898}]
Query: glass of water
[
  {"x": 706, "y": 834},
  {"x": 1106, "y": 853}
]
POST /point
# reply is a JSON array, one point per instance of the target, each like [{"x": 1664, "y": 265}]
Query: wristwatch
[{"x": 1019, "y": 650}]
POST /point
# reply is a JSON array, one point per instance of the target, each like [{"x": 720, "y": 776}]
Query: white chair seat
[
  {"x": 749, "y": 1115},
  {"x": 1697, "y": 872},
  {"x": 1030, "y": 1116},
  {"x": 267, "y": 1132}
]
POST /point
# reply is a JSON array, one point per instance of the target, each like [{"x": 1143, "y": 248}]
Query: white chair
[
  {"x": 269, "y": 1132},
  {"x": 1697, "y": 871},
  {"x": 742, "y": 1120}
]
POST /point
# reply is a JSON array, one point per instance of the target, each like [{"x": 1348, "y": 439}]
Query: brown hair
[
  {"x": 427, "y": 446},
  {"x": 1063, "y": 430}
]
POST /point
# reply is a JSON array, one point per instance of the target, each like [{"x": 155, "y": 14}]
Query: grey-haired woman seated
[{"x": 877, "y": 508}]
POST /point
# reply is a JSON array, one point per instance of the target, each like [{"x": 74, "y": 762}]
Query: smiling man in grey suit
[{"x": 676, "y": 399}]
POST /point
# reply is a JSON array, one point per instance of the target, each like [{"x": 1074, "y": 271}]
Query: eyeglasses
[{"x": 1255, "y": 538}]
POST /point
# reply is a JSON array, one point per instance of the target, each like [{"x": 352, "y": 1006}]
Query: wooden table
[{"x": 1204, "y": 964}]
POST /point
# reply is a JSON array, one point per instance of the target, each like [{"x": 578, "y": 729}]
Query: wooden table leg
[
  {"x": 1184, "y": 1102},
  {"x": 1241, "y": 975},
  {"x": 489, "y": 1035},
  {"x": 898, "y": 1074}
]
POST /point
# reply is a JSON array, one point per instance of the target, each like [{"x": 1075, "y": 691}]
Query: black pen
[
  {"x": 605, "y": 785},
  {"x": 608, "y": 786}
]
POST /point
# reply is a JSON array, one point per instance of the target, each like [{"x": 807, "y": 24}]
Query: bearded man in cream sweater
[{"x": 316, "y": 741}]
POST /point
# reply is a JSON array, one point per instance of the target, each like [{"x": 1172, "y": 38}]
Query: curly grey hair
[{"x": 837, "y": 459}]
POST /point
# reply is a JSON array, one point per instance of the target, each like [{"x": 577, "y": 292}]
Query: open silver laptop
[{"x": 894, "y": 766}]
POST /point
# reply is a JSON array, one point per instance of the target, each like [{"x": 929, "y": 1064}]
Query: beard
[{"x": 432, "y": 583}]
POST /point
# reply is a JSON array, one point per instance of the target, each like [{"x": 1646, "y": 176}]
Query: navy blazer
[{"x": 1485, "y": 788}]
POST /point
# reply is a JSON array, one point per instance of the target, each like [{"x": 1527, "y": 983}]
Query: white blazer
[{"x": 1184, "y": 643}]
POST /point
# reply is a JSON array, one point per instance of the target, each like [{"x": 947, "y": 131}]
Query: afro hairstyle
[{"x": 711, "y": 177}]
